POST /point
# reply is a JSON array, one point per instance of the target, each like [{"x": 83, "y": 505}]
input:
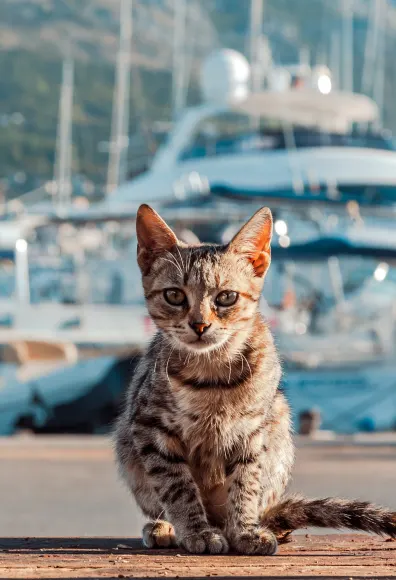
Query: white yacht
[{"x": 299, "y": 139}]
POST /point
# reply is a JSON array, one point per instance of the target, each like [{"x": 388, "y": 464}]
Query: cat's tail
[{"x": 297, "y": 512}]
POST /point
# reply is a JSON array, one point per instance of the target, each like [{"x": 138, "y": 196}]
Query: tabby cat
[{"x": 204, "y": 442}]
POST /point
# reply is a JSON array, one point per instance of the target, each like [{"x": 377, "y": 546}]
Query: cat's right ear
[{"x": 154, "y": 237}]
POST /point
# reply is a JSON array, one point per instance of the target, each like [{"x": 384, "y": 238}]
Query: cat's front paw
[
  {"x": 255, "y": 541},
  {"x": 210, "y": 540},
  {"x": 159, "y": 534}
]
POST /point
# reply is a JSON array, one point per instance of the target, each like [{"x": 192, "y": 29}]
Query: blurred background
[{"x": 207, "y": 110}]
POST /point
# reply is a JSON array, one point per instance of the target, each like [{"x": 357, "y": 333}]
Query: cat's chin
[
  {"x": 199, "y": 346},
  {"x": 202, "y": 347}
]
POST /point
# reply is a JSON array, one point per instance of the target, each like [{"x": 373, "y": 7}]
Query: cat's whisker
[
  {"x": 173, "y": 260},
  {"x": 189, "y": 259},
  {"x": 249, "y": 367},
  {"x": 181, "y": 259},
  {"x": 173, "y": 264},
  {"x": 188, "y": 357},
  {"x": 230, "y": 367},
  {"x": 236, "y": 328},
  {"x": 150, "y": 348},
  {"x": 167, "y": 364}
]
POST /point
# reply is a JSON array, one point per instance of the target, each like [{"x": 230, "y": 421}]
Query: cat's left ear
[{"x": 254, "y": 241}]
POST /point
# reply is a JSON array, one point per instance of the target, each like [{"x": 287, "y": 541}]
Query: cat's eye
[
  {"x": 175, "y": 297},
  {"x": 226, "y": 298}
]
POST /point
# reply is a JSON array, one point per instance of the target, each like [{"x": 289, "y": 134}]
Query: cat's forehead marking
[
  {"x": 201, "y": 268},
  {"x": 205, "y": 267},
  {"x": 169, "y": 270}
]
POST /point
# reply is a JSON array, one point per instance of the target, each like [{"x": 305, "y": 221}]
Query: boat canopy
[{"x": 309, "y": 107}]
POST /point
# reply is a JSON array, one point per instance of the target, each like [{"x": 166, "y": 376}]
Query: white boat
[
  {"x": 331, "y": 303},
  {"x": 84, "y": 305},
  {"x": 295, "y": 139}
]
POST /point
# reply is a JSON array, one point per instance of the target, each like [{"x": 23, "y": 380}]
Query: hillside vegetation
[{"x": 34, "y": 35}]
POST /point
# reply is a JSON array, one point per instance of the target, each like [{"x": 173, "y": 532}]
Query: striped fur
[
  {"x": 204, "y": 442},
  {"x": 297, "y": 512}
]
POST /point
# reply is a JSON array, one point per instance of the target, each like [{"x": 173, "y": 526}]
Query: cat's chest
[
  {"x": 208, "y": 441},
  {"x": 212, "y": 424},
  {"x": 214, "y": 431},
  {"x": 205, "y": 420}
]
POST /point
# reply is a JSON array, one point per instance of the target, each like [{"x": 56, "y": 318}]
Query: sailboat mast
[
  {"x": 379, "y": 84},
  {"x": 347, "y": 44},
  {"x": 63, "y": 160},
  {"x": 179, "y": 57},
  {"x": 256, "y": 32},
  {"x": 335, "y": 58},
  {"x": 116, "y": 172},
  {"x": 370, "y": 48}
]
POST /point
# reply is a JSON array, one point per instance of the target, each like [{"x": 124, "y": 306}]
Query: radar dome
[{"x": 225, "y": 76}]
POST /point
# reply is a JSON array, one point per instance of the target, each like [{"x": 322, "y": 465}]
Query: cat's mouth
[
  {"x": 200, "y": 346},
  {"x": 203, "y": 343}
]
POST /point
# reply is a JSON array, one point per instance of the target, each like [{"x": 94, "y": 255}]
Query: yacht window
[{"x": 232, "y": 133}]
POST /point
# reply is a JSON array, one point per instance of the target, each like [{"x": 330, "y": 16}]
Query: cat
[{"x": 204, "y": 441}]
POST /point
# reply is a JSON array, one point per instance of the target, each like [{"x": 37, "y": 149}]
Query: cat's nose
[{"x": 199, "y": 327}]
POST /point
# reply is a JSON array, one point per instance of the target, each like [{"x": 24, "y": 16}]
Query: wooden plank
[{"x": 341, "y": 556}]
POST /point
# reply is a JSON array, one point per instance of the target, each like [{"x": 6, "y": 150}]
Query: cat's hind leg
[{"x": 159, "y": 534}]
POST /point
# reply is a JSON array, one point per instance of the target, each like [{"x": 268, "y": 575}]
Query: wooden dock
[{"x": 307, "y": 556}]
